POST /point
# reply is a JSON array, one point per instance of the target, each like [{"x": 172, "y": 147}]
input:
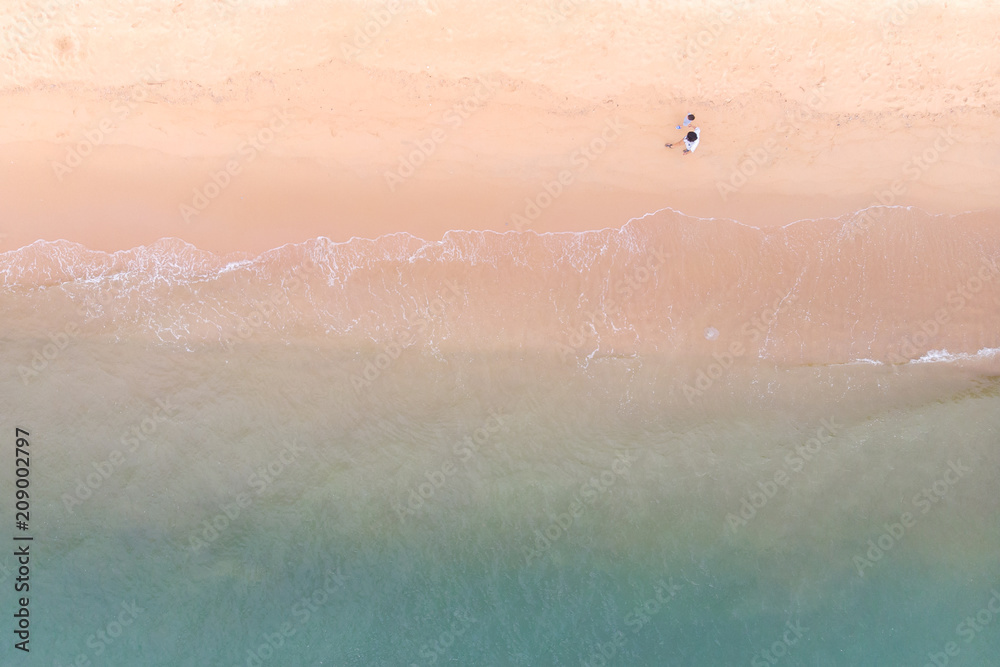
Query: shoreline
[
  {"x": 886, "y": 284},
  {"x": 253, "y": 254}
]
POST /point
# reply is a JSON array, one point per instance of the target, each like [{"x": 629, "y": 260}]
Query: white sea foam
[
  {"x": 663, "y": 281},
  {"x": 944, "y": 356}
]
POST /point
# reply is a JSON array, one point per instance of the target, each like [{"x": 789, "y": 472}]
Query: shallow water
[{"x": 393, "y": 452}]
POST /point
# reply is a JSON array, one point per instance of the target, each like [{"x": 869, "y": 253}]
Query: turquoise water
[
  {"x": 320, "y": 561},
  {"x": 398, "y": 453},
  {"x": 391, "y": 610}
]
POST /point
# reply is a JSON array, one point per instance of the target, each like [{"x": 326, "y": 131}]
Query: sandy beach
[
  {"x": 211, "y": 122},
  {"x": 392, "y": 333}
]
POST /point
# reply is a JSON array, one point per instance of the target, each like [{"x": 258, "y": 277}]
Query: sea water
[{"x": 680, "y": 442}]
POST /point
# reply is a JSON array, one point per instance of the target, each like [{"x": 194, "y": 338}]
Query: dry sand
[{"x": 114, "y": 117}]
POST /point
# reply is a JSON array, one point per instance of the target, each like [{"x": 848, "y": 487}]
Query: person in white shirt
[{"x": 691, "y": 140}]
